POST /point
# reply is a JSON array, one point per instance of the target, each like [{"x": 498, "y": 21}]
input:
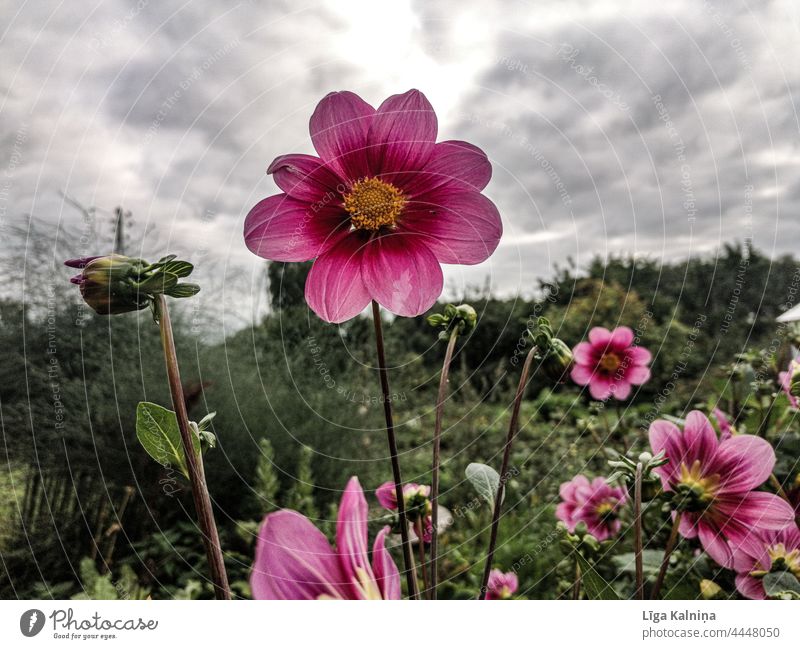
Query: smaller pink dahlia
[
  {"x": 502, "y": 585},
  {"x": 594, "y": 503},
  {"x": 610, "y": 363},
  {"x": 762, "y": 552},
  {"x": 713, "y": 484}
]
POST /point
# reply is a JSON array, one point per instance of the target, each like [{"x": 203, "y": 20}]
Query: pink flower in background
[
  {"x": 379, "y": 210},
  {"x": 502, "y": 585},
  {"x": 764, "y": 551},
  {"x": 417, "y": 504},
  {"x": 594, "y": 503},
  {"x": 724, "y": 424},
  {"x": 786, "y": 382},
  {"x": 713, "y": 484},
  {"x": 610, "y": 364},
  {"x": 295, "y": 561},
  {"x": 387, "y": 496}
]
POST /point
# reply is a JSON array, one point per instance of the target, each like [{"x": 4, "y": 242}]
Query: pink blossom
[
  {"x": 417, "y": 504},
  {"x": 610, "y": 363},
  {"x": 594, "y": 503},
  {"x": 295, "y": 561},
  {"x": 502, "y": 585},
  {"x": 379, "y": 210},
  {"x": 713, "y": 484},
  {"x": 760, "y": 553},
  {"x": 786, "y": 382}
]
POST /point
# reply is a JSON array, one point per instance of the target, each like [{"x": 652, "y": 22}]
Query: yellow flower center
[
  {"x": 605, "y": 509},
  {"x": 695, "y": 491},
  {"x": 373, "y": 204},
  {"x": 610, "y": 362},
  {"x": 782, "y": 559}
]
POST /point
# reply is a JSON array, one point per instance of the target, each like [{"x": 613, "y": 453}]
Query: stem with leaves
[
  {"x": 408, "y": 557},
  {"x": 437, "y": 444},
  {"x": 673, "y": 538},
  {"x": 637, "y": 530},
  {"x": 513, "y": 428},
  {"x": 194, "y": 461}
]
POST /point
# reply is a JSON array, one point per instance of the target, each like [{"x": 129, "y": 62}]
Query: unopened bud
[
  {"x": 461, "y": 319},
  {"x": 709, "y": 589}
]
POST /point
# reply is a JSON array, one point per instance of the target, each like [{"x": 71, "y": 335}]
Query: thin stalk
[
  {"x": 637, "y": 531},
  {"x": 513, "y": 427},
  {"x": 194, "y": 461},
  {"x": 773, "y": 480},
  {"x": 423, "y": 564},
  {"x": 408, "y": 557},
  {"x": 673, "y": 537},
  {"x": 437, "y": 445}
]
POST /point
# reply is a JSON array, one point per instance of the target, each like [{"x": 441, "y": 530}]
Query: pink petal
[
  {"x": 387, "y": 496},
  {"x": 386, "y": 573},
  {"x": 402, "y": 274},
  {"x": 621, "y": 390},
  {"x": 639, "y": 355},
  {"x": 621, "y": 338},
  {"x": 581, "y": 374},
  {"x": 281, "y": 228},
  {"x": 666, "y": 436},
  {"x": 600, "y": 387},
  {"x": 584, "y": 354},
  {"x": 688, "y": 525},
  {"x": 453, "y": 166},
  {"x": 754, "y": 509},
  {"x": 715, "y": 544},
  {"x": 600, "y": 336},
  {"x": 745, "y": 461},
  {"x": 295, "y": 561},
  {"x": 750, "y": 587},
  {"x": 339, "y": 128},
  {"x": 459, "y": 227},
  {"x": 565, "y": 513},
  {"x": 699, "y": 438},
  {"x": 335, "y": 290},
  {"x": 402, "y": 134},
  {"x": 351, "y": 534},
  {"x": 637, "y": 374},
  {"x": 305, "y": 177}
]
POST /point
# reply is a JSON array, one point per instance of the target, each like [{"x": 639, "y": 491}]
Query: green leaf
[
  {"x": 160, "y": 282},
  {"x": 651, "y": 562},
  {"x": 183, "y": 290},
  {"x": 179, "y": 268},
  {"x": 485, "y": 480},
  {"x": 782, "y": 585},
  {"x": 593, "y": 584},
  {"x": 159, "y": 435}
]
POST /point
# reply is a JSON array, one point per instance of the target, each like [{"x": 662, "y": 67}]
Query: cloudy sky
[{"x": 655, "y": 128}]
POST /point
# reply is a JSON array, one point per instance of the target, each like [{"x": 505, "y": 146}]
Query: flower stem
[
  {"x": 423, "y": 565},
  {"x": 194, "y": 461},
  {"x": 437, "y": 445},
  {"x": 673, "y": 537},
  {"x": 773, "y": 480},
  {"x": 637, "y": 531},
  {"x": 513, "y": 427},
  {"x": 408, "y": 557}
]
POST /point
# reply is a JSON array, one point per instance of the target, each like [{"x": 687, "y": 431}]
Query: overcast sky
[{"x": 653, "y": 128}]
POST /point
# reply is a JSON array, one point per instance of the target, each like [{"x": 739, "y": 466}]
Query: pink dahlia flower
[
  {"x": 379, "y": 210},
  {"x": 295, "y": 561},
  {"x": 713, "y": 484},
  {"x": 502, "y": 585},
  {"x": 594, "y": 503},
  {"x": 762, "y": 552},
  {"x": 610, "y": 364},
  {"x": 786, "y": 382}
]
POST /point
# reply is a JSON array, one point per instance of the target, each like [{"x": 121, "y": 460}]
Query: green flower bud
[
  {"x": 794, "y": 385},
  {"x": 710, "y": 589},
  {"x": 553, "y": 353},
  {"x": 115, "y": 284},
  {"x": 461, "y": 319}
]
